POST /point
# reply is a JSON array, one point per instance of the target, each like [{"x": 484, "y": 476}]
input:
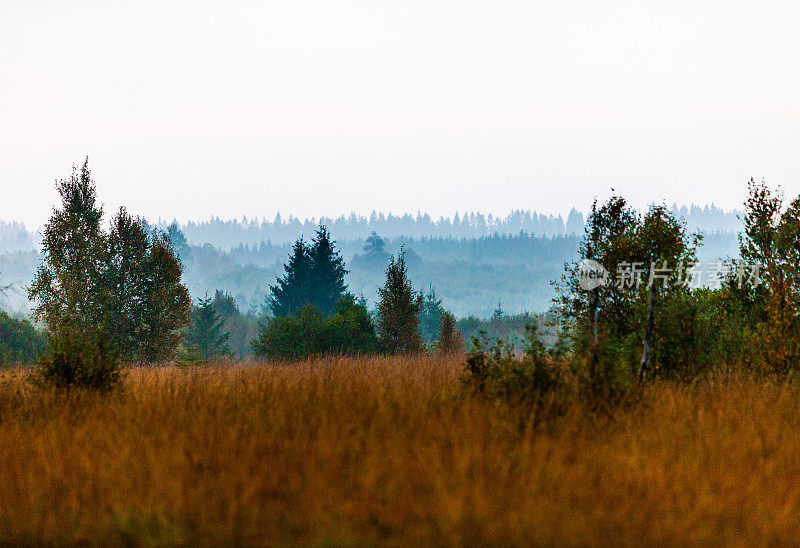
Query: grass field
[{"x": 391, "y": 451}]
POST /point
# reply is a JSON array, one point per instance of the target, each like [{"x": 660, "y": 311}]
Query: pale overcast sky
[{"x": 192, "y": 109}]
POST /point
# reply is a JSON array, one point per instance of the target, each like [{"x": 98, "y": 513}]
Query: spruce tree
[
  {"x": 375, "y": 251},
  {"x": 314, "y": 275},
  {"x": 450, "y": 340},
  {"x": 430, "y": 316},
  {"x": 206, "y": 338},
  {"x": 398, "y": 310},
  {"x": 292, "y": 291},
  {"x": 327, "y": 273}
]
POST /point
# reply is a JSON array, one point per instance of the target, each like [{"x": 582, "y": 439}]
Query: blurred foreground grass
[{"x": 391, "y": 451}]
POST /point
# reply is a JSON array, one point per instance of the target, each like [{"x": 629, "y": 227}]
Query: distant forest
[
  {"x": 508, "y": 262},
  {"x": 232, "y": 233}
]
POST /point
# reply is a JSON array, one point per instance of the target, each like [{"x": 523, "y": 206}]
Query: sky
[{"x": 190, "y": 110}]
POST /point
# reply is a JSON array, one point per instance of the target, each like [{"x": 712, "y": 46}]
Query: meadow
[{"x": 395, "y": 451}]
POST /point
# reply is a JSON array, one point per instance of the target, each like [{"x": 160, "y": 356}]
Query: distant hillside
[
  {"x": 471, "y": 275},
  {"x": 231, "y": 233}
]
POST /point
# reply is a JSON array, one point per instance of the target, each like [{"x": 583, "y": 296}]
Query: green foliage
[
  {"x": 398, "y": 310},
  {"x": 375, "y": 250},
  {"x": 241, "y": 328},
  {"x": 510, "y": 328},
  {"x": 71, "y": 291},
  {"x": 128, "y": 278},
  {"x": 314, "y": 275},
  {"x": 450, "y": 340},
  {"x": 327, "y": 273},
  {"x": 430, "y": 317},
  {"x": 69, "y": 288},
  {"x": 494, "y": 369},
  {"x": 147, "y": 305},
  {"x": 771, "y": 239},
  {"x": 81, "y": 360},
  {"x": 293, "y": 290},
  {"x": 205, "y": 337},
  {"x": 349, "y": 331},
  {"x": 609, "y": 322},
  {"x": 20, "y": 342}
]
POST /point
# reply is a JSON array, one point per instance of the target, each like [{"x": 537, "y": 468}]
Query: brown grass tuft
[{"x": 391, "y": 450}]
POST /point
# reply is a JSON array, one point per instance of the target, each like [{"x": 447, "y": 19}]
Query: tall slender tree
[
  {"x": 663, "y": 243},
  {"x": 69, "y": 286},
  {"x": 430, "y": 316},
  {"x": 293, "y": 289},
  {"x": 398, "y": 310},
  {"x": 206, "y": 338},
  {"x": 314, "y": 275},
  {"x": 450, "y": 339},
  {"x": 70, "y": 289},
  {"x": 327, "y": 273}
]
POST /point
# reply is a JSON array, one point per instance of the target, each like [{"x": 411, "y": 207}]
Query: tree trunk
[
  {"x": 648, "y": 335},
  {"x": 595, "y": 359}
]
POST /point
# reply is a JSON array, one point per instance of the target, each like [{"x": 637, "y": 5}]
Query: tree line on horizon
[
  {"x": 228, "y": 234},
  {"x": 232, "y": 233}
]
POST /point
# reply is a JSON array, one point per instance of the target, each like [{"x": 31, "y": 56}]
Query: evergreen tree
[
  {"x": 450, "y": 340},
  {"x": 498, "y": 313},
  {"x": 398, "y": 310},
  {"x": 430, "y": 316},
  {"x": 375, "y": 251},
  {"x": 292, "y": 290},
  {"x": 327, "y": 273},
  {"x": 179, "y": 243},
  {"x": 314, "y": 275},
  {"x": 241, "y": 328},
  {"x": 206, "y": 338},
  {"x": 225, "y": 305}
]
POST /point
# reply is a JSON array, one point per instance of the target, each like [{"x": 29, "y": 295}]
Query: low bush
[
  {"x": 82, "y": 360},
  {"x": 20, "y": 342},
  {"x": 347, "y": 332},
  {"x": 493, "y": 368}
]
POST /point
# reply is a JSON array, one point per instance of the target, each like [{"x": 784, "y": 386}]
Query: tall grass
[{"x": 391, "y": 450}]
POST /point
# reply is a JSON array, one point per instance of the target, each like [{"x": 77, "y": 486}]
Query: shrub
[
  {"x": 450, "y": 340},
  {"x": 348, "y": 332},
  {"x": 398, "y": 310},
  {"x": 85, "y": 360},
  {"x": 20, "y": 342},
  {"x": 493, "y": 368}
]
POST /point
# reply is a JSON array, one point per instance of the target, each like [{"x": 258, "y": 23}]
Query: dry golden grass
[{"x": 391, "y": 451}]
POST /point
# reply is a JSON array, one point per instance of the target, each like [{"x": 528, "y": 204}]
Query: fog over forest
[{"x": 476, "y": 263}]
